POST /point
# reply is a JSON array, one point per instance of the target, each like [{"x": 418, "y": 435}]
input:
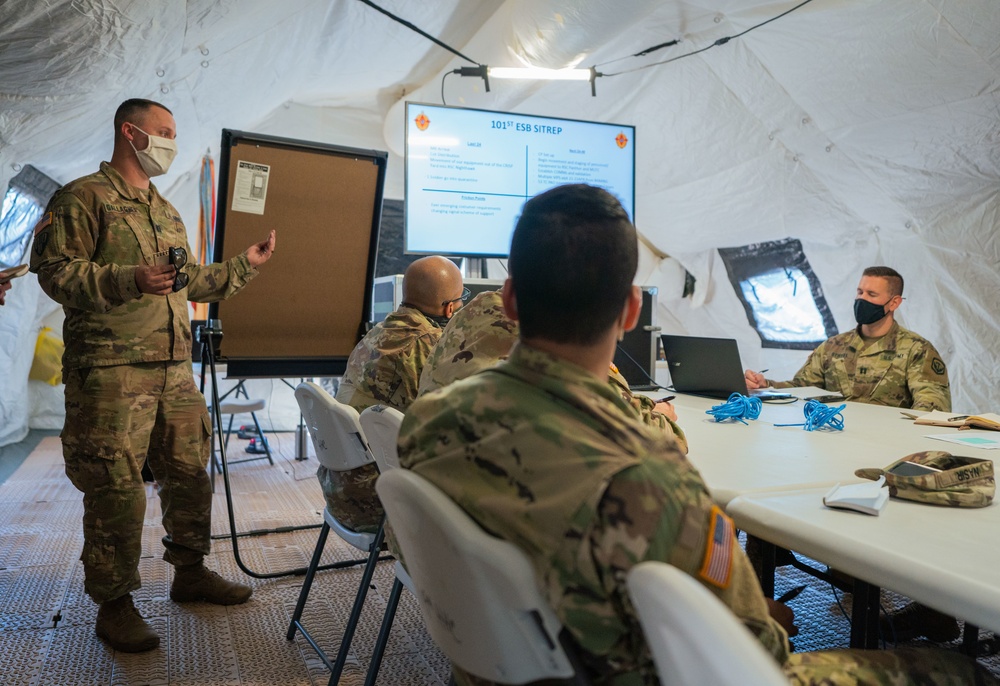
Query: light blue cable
[
  {"x": 820, "y": 416},
  {"x": 737, "y": 407}
]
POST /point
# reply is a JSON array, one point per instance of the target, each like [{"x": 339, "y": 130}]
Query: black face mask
[
  {"x": 439, "y": 319},
  {"x": 868, "y": 312}
]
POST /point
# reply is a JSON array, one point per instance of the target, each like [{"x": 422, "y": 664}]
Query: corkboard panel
[{"x": 308, "y": 304}]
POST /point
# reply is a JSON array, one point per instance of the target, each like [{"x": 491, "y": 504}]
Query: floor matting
[{"x": 47, "y": 621}]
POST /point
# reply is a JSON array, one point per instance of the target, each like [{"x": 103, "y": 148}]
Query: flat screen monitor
[{"x": 469, "y": 172}]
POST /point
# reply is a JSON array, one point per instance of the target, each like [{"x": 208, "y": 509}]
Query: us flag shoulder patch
[{"x": 718, "y": 564}]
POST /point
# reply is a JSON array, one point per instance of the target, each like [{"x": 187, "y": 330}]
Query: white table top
[
  {"x": 735, "y": 459},
  {"x": 946, "y": 558}
]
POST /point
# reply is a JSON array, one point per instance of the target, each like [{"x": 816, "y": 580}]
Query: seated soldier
[
  {"x": 384, "y": 368},
  {"x": 878, "y": 362},
  {"x": 481, "y": 334},
  {"x": 542, "y": 452},
  {"x": 882, "y": 363}
]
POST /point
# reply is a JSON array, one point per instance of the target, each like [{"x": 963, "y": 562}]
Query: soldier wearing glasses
[
  {"x": 112, "y": 251},
  {"x": 384, "y": 369}
]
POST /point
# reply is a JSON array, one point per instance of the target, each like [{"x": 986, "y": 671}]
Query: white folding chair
[
  {"x": 340, "y": 446},
  {"x": 478, "y": 594},
  {"x": 381, "y": 425},
  {"x": 695, "y": 639}
]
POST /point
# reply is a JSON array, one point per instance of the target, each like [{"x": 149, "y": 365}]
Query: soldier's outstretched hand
[{"x": 259, "y": 253}]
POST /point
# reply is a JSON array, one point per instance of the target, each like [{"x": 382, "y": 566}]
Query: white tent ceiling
[{"x": 868, "y": 130}]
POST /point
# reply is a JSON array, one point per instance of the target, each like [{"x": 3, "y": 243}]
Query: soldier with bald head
[{"x": 384, "y": 369}]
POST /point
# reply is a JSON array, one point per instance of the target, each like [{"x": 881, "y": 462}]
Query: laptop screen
[{"x": 704, "y": 366}]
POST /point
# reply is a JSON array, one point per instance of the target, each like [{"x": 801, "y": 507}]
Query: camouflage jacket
[
  {"x": 95, "y": 232},
  {"x": 542, "y": 453},
  {"x": 478, "y": 336},
  {"x": 644, "y": 406},
  {"x": 384, "y": 368},
  {"x": 900, "y": 369}
]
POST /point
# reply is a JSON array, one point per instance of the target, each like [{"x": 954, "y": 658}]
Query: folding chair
[
  {"x": 340, "y": 446},
  {"x": 381, "y": 425},
  {"x": 478, "y": 594},
  {"x": 688, "y": 629}
]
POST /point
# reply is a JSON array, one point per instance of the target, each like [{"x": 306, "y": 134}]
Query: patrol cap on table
[{"x": 961, "y": 481}]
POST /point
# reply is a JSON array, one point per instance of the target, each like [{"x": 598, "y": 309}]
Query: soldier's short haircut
[
  {"x": 894, "y": 278},
  {"x": 572, "y": 260},
  {"x": 132, "y": 108}
]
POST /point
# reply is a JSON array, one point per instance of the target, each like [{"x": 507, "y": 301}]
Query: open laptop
[{"x": 709, "y": 367}]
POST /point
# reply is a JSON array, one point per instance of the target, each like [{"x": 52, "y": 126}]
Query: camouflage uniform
[
  {"x": 481, "y": 334},
  {"x": 900, "y": 369},
  {"x": 478, "y": 336},
  {"x": 383, "y": 369},
  {"x": 130, "y": 394},
  {"x": 543, "y": 454},
  {"x": 645, "y": 407}
]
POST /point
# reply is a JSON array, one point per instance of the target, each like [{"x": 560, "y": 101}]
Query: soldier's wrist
[{"x": 128, "y": 287}]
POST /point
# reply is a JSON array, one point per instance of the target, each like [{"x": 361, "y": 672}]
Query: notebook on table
[{"x": 708, "y": 367}]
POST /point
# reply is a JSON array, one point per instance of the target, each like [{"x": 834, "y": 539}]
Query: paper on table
[{"x": 970, "y": 439}]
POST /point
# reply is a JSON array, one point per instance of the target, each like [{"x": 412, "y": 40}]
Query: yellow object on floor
[{"x": 47, "y": 365}]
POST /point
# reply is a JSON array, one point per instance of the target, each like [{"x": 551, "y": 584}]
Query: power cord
[
  {"x": 720, "y": 41},
  {"x": 641, "y": 369}
]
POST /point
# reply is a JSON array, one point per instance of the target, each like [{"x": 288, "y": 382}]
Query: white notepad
[{"x": 868, "y": 497}]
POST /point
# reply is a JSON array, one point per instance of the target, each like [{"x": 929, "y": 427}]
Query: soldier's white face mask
[{"x": 159, "y": 153}]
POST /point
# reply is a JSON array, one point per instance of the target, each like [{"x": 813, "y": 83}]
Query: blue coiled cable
[
  {"x": 737, "y": 407},
  {"x": 820, "y": 416}
]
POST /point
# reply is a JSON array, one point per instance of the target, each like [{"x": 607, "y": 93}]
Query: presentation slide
[{"x": 469, "y": 172}]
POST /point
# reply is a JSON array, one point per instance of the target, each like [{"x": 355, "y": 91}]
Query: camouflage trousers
[
  {"x": 351, "y": 498},
  {"x": 117, "y": 418},
  {"x": 900, "y": 667}
]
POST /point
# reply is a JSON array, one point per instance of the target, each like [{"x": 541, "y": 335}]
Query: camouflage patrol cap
[{"x": 962, "y": 481}]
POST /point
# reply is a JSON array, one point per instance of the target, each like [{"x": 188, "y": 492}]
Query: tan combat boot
[
  {"x": 197, "y": 582},
  {"x": 121, "y": 625}
]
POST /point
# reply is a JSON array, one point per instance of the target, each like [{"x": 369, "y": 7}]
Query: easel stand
[{"x": 208, "y": 336}]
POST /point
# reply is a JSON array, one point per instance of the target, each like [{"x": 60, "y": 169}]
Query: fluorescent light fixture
[
  {"x": 484, "y": 72},
  {"x": 539, "y": 73}
]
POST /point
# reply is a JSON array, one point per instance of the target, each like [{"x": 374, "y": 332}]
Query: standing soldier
[{"x": 113, "y": 252}]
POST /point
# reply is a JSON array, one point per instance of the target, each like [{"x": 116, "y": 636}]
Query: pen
[
  {"x": 666, "y": 400},
  {"x": 792, "y": 594},
  {"x": 763, "y": 370}
]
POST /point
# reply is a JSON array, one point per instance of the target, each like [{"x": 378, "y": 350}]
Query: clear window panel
[
  {"x": 18, "y": 217},
  {"x": 783, "y": 306}
]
